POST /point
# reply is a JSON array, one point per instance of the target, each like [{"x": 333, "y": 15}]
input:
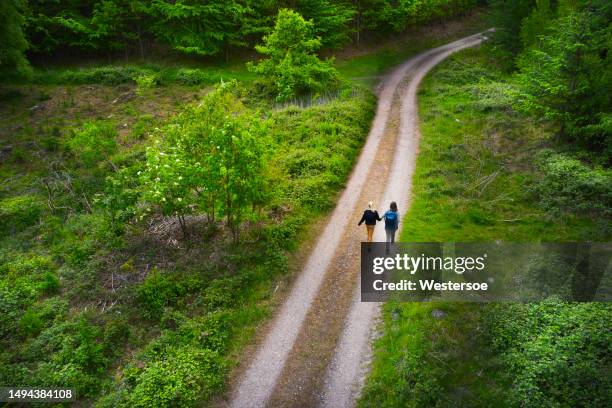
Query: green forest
[{"x": 167, "y": 165}]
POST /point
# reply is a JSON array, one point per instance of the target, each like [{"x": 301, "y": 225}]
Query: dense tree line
[
  {"x": 198, "y": 27},
  {"x": 561, "y": 50}
]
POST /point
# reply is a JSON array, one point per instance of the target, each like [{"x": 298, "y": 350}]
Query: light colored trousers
[{"x": 370, "y": 229}]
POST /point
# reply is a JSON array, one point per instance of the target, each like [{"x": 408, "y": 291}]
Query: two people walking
[{"x": 391, "y": 217}]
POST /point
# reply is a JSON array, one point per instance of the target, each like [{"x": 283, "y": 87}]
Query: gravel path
[
  {"x": 289, "y": 366},
  {"x": 349, "y": 366}
]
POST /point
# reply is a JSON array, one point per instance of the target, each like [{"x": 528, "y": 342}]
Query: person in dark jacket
[{"x": 370, "y": 216}]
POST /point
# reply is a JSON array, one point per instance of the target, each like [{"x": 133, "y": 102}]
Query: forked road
[{"x": 317, "y": 349}]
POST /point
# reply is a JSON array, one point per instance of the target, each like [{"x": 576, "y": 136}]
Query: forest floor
[{"x": 314, "y": 351}]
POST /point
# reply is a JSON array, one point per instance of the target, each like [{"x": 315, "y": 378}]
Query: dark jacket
[{"x": 370, "y": 217}]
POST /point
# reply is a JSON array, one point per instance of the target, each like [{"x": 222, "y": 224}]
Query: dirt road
[{"x": 317, "y": 349}]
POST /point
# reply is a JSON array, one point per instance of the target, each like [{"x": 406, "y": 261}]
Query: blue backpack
[{"x": 391, "y": 220}]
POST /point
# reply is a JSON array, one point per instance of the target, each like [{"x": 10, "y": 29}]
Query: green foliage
[
  {"x": 556, "y": 353},
  {"x": 476, "y": 159},
  {"x": 121, "y": 194},
  {"x": 536, "y": 23},
  {"x": 561, "y": 49},
  {"x": 212, "y": 158},
  {"x": 180, "y": 24},
  {"x": 292, "y": 68},
  {"x": 331, "y": 20},
  {"x": 213, "y": 28},
  {"x": 222, "y": 293},
  {"x": 30, "y": 323},
  {"x": 12, "y": 41},
  {"x": 567, "y": 184},
  {"x": 144, "y": 82},
  {"x": 128, "y": 74},
  {"x": 507, "y": 17},
  {"x": 104, "y": 75},
  {"x": 384, "y": 16},
  {"x": 41, "y": 315},
  {"x": 156, "y": 292},
  {"x": 180, "y": 368},
  {"x": 77, "y": 238},
  {"x": 20, "y": 212},
  {"x": 285, "y": 234},
  {"x": 191, "y": 76},
  {"x": 14, "y": 298},
  {"x": 317, "y": 148},
  {"x": 564, "y": 79},
  {"x": 180, "y": 380},
  {"x": 116, "y": 23},
  {"x": 427, "y": 361},
  {"x": 73, "y": 357},
  {"x": 94, "y": 142}
]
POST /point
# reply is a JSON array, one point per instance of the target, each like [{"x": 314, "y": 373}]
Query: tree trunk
[
  {"x": 228, "y": 204},
  {"x": 213, "y": 209},
  {"x": 141, "y": 46},
  {"x": 358, "y": 28},
  {"x": 183, "y": 225}
]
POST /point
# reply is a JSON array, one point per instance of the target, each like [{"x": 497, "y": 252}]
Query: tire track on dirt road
[
  {"x": 349, "y": 365},
  {"x": 322, "y": 326}
]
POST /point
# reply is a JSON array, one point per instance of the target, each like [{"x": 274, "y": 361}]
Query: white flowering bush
[{"x": 211, "y": 160}]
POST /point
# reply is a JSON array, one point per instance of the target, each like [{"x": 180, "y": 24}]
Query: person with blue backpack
[{"x": 391, "y": 218}]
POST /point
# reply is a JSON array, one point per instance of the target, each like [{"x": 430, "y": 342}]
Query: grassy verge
[
  {"x": 478, "y": 179},
  {"x": 135, "y": 74}
]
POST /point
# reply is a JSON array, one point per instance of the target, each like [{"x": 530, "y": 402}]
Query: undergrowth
[
  {"x": 95, "y": 299},
  {"x": 476, "y": 180}
]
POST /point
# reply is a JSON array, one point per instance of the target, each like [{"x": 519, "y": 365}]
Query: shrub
[
  {"x": 42, "y": 315},
  {"x": 145, "y": 81},
  {"x": 156, "y": 292},
  {"x": 115, "y": 333},
  {"x": 30, "y": 323},
  {"x": 18, "y": 213},
  {"x": 82, "y": 235},
  {"x": 555, "y": 353},
  {"x": 22, "y": 280},
  {"x": 94, "y": 142},
  {"x": 493, "y": 96},
  {"x": 115, "y": 75},
  {"x": 105, "y": 75},
  {"x": 181, "y": 379},
  {"x": 567, "y": 184},
  {"x": 15, "y": 297},
  {"x": 142, "y": 125},
  {"x": 78, "y": 361},
  {"x": 292, "y": 68},
  {"x": 222, "y": 293},
  {"x": 284, "y": 234},
  {"x": 213, "y": 157},
  {"x": 189, "y": 76},
  {"x": 26, "y": 265},
  {"x": 120, "y": 194}
]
